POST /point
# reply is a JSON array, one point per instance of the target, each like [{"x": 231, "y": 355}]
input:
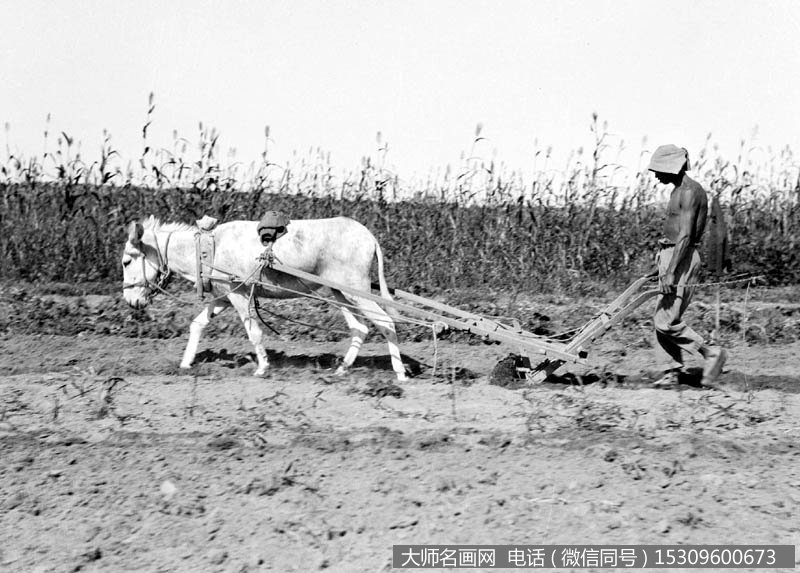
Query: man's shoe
[
  {"x": 670, "y": 378},
  {"x": 714, "y": 363}
]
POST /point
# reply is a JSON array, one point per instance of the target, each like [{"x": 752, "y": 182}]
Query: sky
[{"x": 332, "y": 74}]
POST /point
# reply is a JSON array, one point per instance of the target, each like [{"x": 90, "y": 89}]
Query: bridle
[{"x": 163, "y": 273}]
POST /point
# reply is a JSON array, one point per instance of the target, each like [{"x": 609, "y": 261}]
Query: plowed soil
[{"x": 113, "y": 459}]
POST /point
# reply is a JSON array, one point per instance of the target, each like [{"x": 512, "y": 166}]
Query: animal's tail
[{"x": 384, "y": 289}]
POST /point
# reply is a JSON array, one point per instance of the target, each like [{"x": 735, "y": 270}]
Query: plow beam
[{"x": 452, "y": 317}]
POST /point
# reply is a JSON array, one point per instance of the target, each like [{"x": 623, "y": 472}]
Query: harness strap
[
  {"x": 163, "y": 273},
  {"x": 204, "y": 257}
]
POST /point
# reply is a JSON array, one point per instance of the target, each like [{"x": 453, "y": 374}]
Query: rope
[
  {"x": 233, "y": 278},
  {"x": 163, "y": 291},
  {"x": 563, "y": 335},
  {"x": 354, "y": 308},
  {"x": 257, "y": 307},
  {"x": 254, "y": 301},
  {"x": 301, "y": 323},
  {"x": 435, "y": 349},
  {"x": 164, "y": 275},
  {"x": 750, "y": 279},
  {"x": 269, "y": 256}
]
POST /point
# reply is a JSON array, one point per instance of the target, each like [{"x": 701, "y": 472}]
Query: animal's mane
[{"x": 154, "y": 224}]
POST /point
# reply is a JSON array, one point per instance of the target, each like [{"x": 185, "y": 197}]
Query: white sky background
[{"x": 331, "y": 74}]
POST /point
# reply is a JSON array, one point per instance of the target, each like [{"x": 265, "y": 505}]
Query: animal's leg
[
  {"x": 196, "y": 330},
  {"x": 385, "y": 325},
  {"x": 254, "y": 332},
  {"x": 358, "y": 330}
]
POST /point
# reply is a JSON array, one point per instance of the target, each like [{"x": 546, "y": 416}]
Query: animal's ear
[{"x": 135, "y": 231}]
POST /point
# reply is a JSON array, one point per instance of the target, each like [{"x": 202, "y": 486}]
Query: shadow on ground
[
  {"x": 506, "y": 375},
  {"x": 322, "y": 361}
]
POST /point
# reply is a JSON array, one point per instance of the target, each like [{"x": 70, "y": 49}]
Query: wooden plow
[{"x": 543, "y": 356}]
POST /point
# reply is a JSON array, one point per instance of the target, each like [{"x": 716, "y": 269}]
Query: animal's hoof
[
  {"x": 402, "y": 378},
  {"x": 185, "y": 365},
  {"x": 341, "y": 371},
  {"x": 260, "y": 372}
]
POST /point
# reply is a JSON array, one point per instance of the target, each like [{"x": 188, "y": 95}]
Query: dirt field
[{"x": 113, "y": 459}]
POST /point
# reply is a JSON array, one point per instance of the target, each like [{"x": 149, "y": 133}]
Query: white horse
[{"x": 338, "y": 249}]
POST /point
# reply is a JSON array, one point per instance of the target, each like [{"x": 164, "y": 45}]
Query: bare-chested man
[{"x": 678, "y": 266}]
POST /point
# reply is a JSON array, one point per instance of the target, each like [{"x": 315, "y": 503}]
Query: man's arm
[{"x": 689, "y": 209}]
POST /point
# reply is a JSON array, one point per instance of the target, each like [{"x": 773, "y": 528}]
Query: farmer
[{"x": 678, "y": 262}]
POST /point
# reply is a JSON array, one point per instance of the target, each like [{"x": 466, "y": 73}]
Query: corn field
[{"x": 569, "y": 230}]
